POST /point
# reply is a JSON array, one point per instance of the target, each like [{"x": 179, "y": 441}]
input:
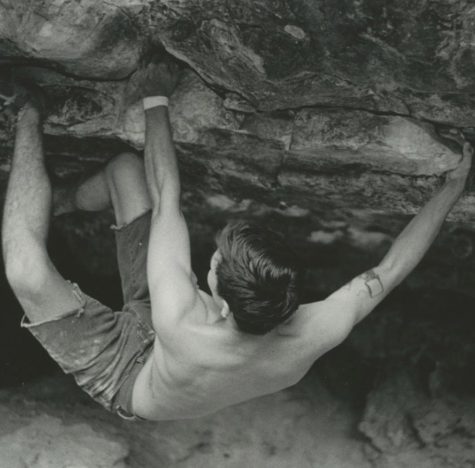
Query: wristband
[{"x": 154, "y": 101}]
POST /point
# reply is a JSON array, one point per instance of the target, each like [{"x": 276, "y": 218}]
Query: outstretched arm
[
  {"x": 161, "y": 166},
  {"x": 168, "y": 261},
  {"x": 354, "y": 301},
  {"x": 163, "y": 180}
]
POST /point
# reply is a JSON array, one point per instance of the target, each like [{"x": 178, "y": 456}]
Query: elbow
[
  {"x": 16, "y": 274},
  {"x": 13, "y": 271},
  {"x": 14, "y": 267},
  {"x": 390, "y": 262},
  {"x": 394, "y": 270},
  {"x": 25, "y": 273},
  {"x": 168, "y": 199}
]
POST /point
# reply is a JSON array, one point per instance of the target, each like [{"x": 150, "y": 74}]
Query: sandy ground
[{"x": 50, "y": 424}]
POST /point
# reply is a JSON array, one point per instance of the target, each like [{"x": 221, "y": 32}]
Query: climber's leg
[
  {"x": 127, "y": 187},
  {"x": 41, "y": 290},
  {"x": 91, "y": 194},
  {"x": 121, "y": 184},
  {"x": 98, "y": 346}
]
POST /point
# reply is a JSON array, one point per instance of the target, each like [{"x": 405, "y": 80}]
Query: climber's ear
[{"x": 225, "y": 311}]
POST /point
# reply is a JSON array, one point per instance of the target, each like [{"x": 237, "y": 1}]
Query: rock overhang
[{"x": 325, "y": 109}]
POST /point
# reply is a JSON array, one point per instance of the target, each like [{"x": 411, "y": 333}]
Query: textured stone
[
  {"x": 84, "y": 38},
  {"x": 46, "y": 442},
  {"x": 194, "y": 110},
  {"x": 364, "y": 153},
  {"x": 286, "y": 54},
  {"x": 411, "y": 429},
  {"x": 364, "y": 54},
  {"x": 304, "y": 426},
  {"x": 314, "y": 159},
  {"x": 392, "y": 144}
]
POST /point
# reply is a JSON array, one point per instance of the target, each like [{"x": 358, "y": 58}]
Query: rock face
[
  {"x": 364, "y": 54},
  {"x": 408, "y": 58},
  {"x": 321, "y": 106}
]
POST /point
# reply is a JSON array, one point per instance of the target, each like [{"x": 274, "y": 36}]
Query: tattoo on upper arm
[{"x": 373, "y": 283}]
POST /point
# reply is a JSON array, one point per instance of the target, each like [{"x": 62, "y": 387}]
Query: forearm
[
  {"x": 414, "y": 241},
  {"x": 160, "y": 158},
  {"x": 28, "y": 198},
  {"x": 26, "y": 213},
  {"x": 361, "y": 295}
]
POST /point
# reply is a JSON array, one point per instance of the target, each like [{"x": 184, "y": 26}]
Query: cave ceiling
[{"x": 324, "y": 114}]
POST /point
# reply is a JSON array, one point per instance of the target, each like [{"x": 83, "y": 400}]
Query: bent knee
[
  {"x": 27, "y": 275},
  {"x": 127, "y": 187},
  {"x": 125, "y": 166}
]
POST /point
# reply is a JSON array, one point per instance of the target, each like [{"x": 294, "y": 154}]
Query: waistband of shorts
[{"x": 122, "y": 404}]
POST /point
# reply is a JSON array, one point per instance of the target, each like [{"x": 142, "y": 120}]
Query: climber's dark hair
[{"x": 257, "y": 275}]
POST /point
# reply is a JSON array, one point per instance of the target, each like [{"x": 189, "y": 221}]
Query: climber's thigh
[
  {"x": 132, "y": 246},
  {"x": 42, "y": 292},
  {"x": 128, "y": 188},
  {"x": 98, "y": 346}
]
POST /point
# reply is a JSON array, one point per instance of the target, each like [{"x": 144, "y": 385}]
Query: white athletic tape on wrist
[{"x": 154, "y": 101}]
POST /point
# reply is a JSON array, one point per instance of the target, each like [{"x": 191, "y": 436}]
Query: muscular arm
[
  {"x": 168, "y": 261},
  {"x": 160, "y": 161},
  {"x": 354, "y": 301},
  {"x": 366, "y": 291}
]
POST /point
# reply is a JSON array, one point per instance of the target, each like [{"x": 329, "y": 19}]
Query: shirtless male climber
[{"x": 175, "y": 352}]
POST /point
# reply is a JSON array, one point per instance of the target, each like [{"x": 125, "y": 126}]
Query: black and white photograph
[{"x": 237, "y": 234}]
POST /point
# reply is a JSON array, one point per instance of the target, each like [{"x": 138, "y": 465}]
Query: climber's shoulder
[{"x": 323, "y": 324}]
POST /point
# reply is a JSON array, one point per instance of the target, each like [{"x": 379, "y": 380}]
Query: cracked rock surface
[{"x": 306, "y": 90}]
